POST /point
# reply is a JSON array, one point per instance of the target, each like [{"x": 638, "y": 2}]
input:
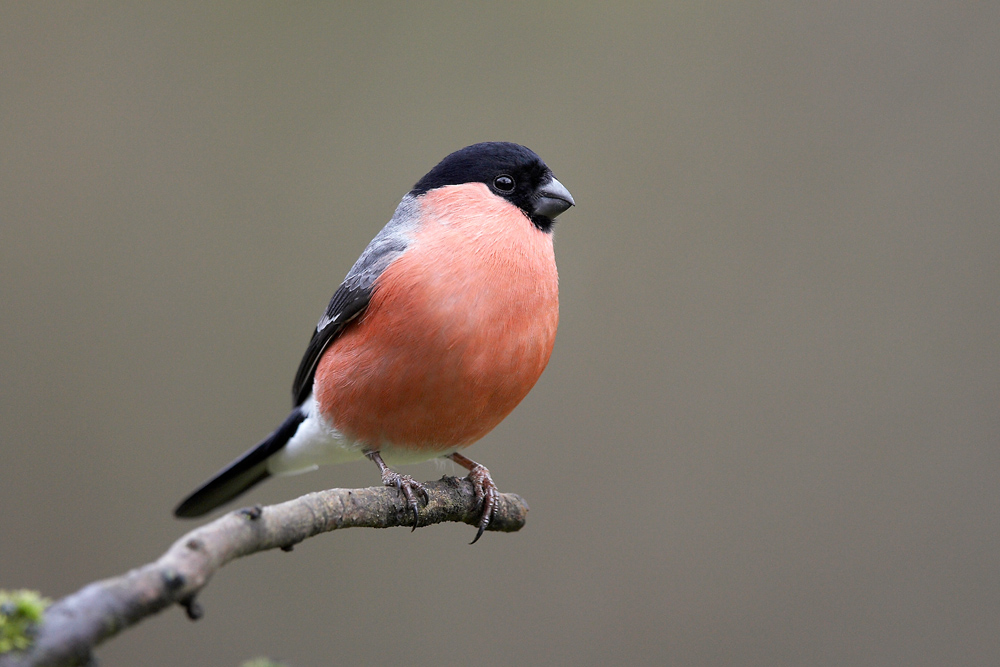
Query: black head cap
[{"x": 510, "y": 171}]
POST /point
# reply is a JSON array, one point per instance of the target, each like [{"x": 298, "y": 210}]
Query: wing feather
[{"x": 354, "y": 294}]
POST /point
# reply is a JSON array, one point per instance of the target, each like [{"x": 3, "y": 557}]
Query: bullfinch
[{"x": 441, "y": 327}]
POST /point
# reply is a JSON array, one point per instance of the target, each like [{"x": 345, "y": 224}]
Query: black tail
[{"x": 241, "y": 474}]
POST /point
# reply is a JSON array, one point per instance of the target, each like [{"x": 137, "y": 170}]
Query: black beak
[{"x": 553, "y": 199}]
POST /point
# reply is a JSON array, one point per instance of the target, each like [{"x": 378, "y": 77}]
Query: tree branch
[{"x": 74, "y": 625}]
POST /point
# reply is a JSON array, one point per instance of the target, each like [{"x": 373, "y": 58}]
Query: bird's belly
[{"x": 378, "y": 385}]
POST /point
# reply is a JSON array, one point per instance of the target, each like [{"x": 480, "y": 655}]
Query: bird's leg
[
  {"x": 404, "y": 483},
  {"x": 486, "y": 491}
]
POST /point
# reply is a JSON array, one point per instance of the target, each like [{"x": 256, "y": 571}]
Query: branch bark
[{"x": 76, "y": 624}]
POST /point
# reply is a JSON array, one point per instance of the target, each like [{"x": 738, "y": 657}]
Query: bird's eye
[{"x": 504, "y": 183}]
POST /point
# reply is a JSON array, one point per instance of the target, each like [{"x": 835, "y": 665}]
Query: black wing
[
  {"x": 345, "y": 305},
  {"x": 354, "y": 294}
]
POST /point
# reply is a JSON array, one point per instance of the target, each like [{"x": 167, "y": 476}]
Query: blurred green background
[{"x": 768, "y": 433}]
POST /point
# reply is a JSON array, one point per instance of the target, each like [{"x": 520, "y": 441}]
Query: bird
[{"x": 442, "y": 326}]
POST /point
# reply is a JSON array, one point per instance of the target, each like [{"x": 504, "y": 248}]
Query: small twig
[{"x": 74, "y": 625}]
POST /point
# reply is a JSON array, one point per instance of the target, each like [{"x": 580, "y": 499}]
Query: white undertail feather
[{"x": 316, "y": 443}]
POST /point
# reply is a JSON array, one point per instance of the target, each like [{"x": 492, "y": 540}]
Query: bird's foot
[
  {"x": 487, "y": 495},
  {"x": 408, "y": 486}
]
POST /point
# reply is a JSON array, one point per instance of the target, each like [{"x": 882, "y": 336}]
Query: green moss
[
  {"x": 261, "y": 662},
  {"x": 20, "y": 612}
]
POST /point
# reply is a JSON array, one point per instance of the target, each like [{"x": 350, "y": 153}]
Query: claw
[
  {"x": 404, "y": 483},
  {"x": 407, "y": 486},
  {"x": 487, "y": 495}
]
